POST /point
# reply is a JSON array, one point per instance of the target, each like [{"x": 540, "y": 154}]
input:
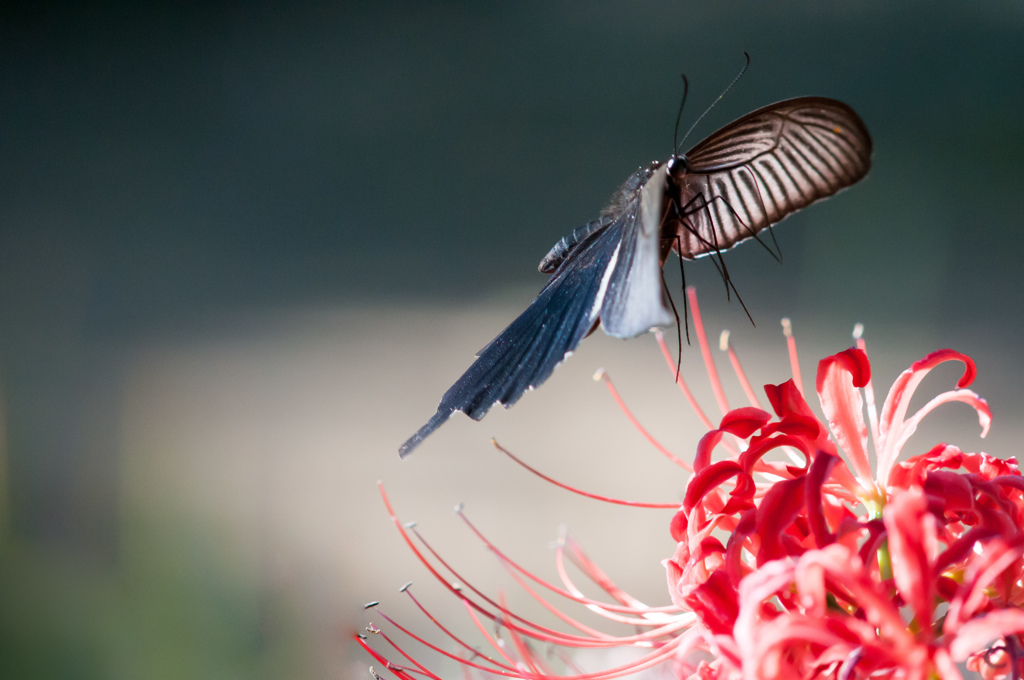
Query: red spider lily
[
  {"x": 824, "y": 565},
  {"x": 796, "y": 557}
]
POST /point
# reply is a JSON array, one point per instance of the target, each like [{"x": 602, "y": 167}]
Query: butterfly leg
[{"x": 694, "y": 207}]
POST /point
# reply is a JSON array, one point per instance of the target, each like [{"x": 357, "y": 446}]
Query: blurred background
[{"x": 244, "y": 249}]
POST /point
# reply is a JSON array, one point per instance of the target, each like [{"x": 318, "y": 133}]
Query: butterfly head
[{"x": 677, "y": 167}]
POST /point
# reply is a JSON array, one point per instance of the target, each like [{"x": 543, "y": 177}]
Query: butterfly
[{"x": 743, "y": 178}]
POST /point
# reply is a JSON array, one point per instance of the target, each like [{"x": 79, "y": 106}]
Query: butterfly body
[{"x": 743, "y": 178}]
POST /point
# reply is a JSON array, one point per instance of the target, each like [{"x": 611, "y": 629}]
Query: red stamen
[
  {"x": 606, "y": 499},
  {"x": 382, "y": 659},
  {"x": 391, "y": 667},
  {"x": 725, "y": 346},
  {"x": 705, "y": 350},
  {"x": 794, "y": 362},
  {"x": 576, "y": 596},
  {"x": 495, "y": 644},
  {"x": 540, "y": 632},
  {"x": 524, "y": 652},
  {"x": 447, "y": 632},
  {"x": 682, "y": 383},
  {"x": 869, "y": 390},
  {"x": 603, "y": 376},
  {"x": 661, "y": 629},
  {"x": 467, "y": 662}
]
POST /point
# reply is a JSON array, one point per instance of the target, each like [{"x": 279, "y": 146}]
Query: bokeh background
[{"x": 244, "y": 248}]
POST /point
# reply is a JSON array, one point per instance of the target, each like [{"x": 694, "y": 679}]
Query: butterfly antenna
[
  {"x": 679, "y": 116},
  {"x": 701, "y": 117}
]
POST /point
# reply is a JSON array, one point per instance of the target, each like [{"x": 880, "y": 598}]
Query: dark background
[{"x": 185, "y": 175}]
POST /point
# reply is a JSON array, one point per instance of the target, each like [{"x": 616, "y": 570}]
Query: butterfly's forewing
[
  {"x": 634, "y": 297},
  {"x": 524, "y": 354},
  {"x": 766, "y": 165}
]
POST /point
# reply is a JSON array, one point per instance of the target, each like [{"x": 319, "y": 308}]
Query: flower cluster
[{"x": 799, "y": 554}]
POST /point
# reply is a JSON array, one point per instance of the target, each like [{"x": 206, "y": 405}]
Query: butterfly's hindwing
[{"x": 634, "y": 300}]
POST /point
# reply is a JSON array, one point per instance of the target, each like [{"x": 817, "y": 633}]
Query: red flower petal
[
  {"x": 715, "y": 602},
  {"x": 839, "y": 378},
  {"x": 710, "y": 477},
  {"x": 745, "y": 421},
  {"x": 976, "y": 634},
  {"x": 776, "y": 512},
  {"x": 913, "y": 547}
]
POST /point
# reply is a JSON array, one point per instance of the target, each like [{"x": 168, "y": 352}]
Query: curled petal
[
  {"x": 710, "y": 477},
  {"x": 778, "y": 509},
  {"x": 839, "y": 379},
  {"x": 950, "y": 491},
  {"x": 965, "y": 396},
  {"x": 976, "y": 634},
  {"x": 759, "y": 447},
  {"x": 786, "y": 398},
  {"x": 989, "y": 563},
  {"x": 912, "y": 472},
  {"x": 678, "y": 526},
  {"x": 705, "y": 447},
  {"x": 755, "y": 589},
  {"x": 820, "y": 469},
  {"x": 853, "y": 361},
  {"x": 715, "y": 602},
  {"x": 898, "y": 401},
  {"x": 744, "y": 422},
  {"x": 989, "y": 466}
]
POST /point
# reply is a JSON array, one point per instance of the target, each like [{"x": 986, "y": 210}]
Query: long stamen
[
  {"x": 435, "y": 648},
  {"x": 705, "y": 350},
  {"x": 459, "y": 641},
  {"x": 508, "y": 618},
  {"x": 682, "y": 383},
  {"x": 606, "y": 499},
  {"x": 794, "y": 362},
  {"x": 391, "y": 667},
  {"x": 542, "y": 633},
  {"x": 524, "y": 652},
  {"x": 726, "y": 347},
  {"x": 495, "y": 644},
  {"x": 603, "y": 376},
  {"x": 631, "y": 607},
  {"x": 869, "y": 390},
  {"x": 657, "y": 615}
]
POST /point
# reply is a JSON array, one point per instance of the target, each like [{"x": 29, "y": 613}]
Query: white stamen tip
[
  {"x": 723, "y": 341},
  {"x": 600, "y": 374},
  {"x": 858, "y": 331},
  {"x": 787, "y": 327}
]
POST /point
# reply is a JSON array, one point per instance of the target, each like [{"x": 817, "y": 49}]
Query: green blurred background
[{"x": 245, "y": 247}]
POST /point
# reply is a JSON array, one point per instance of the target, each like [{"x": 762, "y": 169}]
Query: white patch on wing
[{"x": 609, "y": 270}]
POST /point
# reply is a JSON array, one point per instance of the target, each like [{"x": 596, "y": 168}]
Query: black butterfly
[{"x": 743, "y": 178}]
